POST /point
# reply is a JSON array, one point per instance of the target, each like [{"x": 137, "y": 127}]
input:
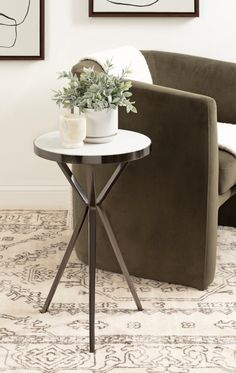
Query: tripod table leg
[
  {"x": 118, "y": 255},
  {"x": 92, "y": 274},
  {"x": 65, "y": 260},
  {"x": 91, "y": 253}
]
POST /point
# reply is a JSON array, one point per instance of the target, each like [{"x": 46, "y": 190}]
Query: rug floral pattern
[{"x": 181, "y": 330}]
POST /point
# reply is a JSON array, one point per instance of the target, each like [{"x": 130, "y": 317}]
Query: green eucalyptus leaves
[{"x": 95, "y": 90}]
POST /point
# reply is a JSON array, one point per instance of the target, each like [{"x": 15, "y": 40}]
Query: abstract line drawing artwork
[
  {"x": 10, "y": 22},
  {"x": 134, "y": 3},
  {"x": 21, "y": 29},
  {"x": 144, "y": 8}
]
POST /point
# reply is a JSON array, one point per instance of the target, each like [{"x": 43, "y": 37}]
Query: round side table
[{"x": 126, "y": 147}]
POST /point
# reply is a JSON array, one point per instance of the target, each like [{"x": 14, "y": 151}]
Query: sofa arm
[
  {"x": 205, "y": 76},
  {"x": 183, "y": 167},
  {"x": 180, "y": 123}
]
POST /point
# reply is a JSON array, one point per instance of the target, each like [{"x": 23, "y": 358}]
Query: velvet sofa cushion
[{"x": 227, "y": 171}]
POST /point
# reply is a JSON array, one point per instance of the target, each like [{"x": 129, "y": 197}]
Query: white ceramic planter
[
  {"x": 72, "y": 130},
  {"x": 102, "y": 126}
]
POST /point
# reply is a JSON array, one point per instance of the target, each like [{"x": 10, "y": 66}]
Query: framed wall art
[
  {"x": 21, "y": 29},
  {"x": 143, "y": 8}
]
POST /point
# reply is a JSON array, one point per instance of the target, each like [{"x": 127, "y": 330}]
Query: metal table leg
[
  {"x": 91, "y": 254},
  {"x": 118, "y": 255},
  {"x": 92, "y": 205},
  {"x": 64, "y": 261}
]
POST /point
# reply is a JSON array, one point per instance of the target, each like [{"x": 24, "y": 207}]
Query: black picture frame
[
  {"x": 41, "y": 51},
  {"x": 92, "y": 13}
]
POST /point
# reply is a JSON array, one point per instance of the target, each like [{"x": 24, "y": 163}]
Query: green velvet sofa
[{"x": 164, "y": 209}]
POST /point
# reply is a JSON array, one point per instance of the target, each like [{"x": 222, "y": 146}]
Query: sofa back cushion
[{"x": 205, "y": 76}]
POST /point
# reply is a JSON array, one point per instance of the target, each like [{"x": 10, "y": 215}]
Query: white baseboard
[{"x": 35, "y": 197}]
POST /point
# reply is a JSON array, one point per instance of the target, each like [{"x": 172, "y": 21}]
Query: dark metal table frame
[{"x": 93, "y": 205}]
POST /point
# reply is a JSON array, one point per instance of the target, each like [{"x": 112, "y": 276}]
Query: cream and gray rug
[{"x": 181, "y": 330}]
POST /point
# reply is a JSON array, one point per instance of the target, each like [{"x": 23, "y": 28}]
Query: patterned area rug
[{"x": 181, "y": 330}]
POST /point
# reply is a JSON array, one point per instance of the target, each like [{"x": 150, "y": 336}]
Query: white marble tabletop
[{"x": 127, "y": 145}]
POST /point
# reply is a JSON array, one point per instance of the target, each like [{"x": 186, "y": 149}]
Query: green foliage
[{"x": 95, "y": 90}]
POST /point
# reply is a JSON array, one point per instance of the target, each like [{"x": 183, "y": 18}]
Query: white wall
[{"x": 26, "y": 108}]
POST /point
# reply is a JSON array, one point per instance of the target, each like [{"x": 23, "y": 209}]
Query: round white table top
[{"x": 126, "y": 146}]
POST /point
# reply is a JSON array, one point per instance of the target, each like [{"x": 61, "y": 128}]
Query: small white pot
[
  {"x": 72, "y": 130},
  {"x": 102, "y": 126}
]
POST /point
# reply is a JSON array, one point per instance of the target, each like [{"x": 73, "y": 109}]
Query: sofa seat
[{"x": 227, "y": 171}]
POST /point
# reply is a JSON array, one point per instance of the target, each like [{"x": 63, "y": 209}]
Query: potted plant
[
  {"x": 99, "y": 96},
  {"x": 72, "y": 124}
]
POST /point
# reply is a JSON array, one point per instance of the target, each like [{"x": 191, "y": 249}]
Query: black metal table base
[{"x": 93, "y": 205}]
